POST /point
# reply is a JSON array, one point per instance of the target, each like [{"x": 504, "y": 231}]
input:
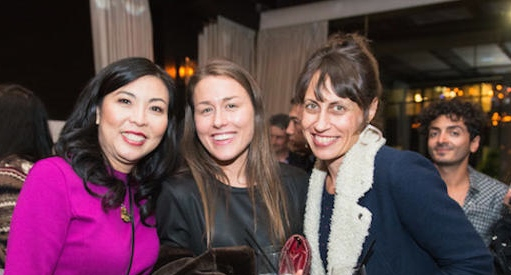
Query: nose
[
  {"x": 290, "y": 130},
  {"x": 219, "y": 118},
  {"x": 442, "y": 137},
  {"x": 138, "y": 116},
  {"x": 322, "y": 121}
]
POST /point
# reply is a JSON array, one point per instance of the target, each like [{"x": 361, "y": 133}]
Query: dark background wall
[{"x": 46, "y": 46}]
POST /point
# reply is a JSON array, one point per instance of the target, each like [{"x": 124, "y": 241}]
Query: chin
[{"x": 324, "y": 157}]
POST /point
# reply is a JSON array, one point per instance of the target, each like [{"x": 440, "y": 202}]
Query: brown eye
[
  {"x": 124, "y": 101},
  {"x": 157, "y": 109}
]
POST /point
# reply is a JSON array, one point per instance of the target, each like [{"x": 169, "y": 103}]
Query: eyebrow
[
  {"x": 333, "y": 103},
  {"x": 223, "y": 100},
  {"x": 452, "y": 127},
  {"x": 456, "y": 127}
]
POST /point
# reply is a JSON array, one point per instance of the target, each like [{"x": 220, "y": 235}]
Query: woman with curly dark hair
[{"x": 90, "y": 209}]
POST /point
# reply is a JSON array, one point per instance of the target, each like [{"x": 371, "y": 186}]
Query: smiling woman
[
  {"x": 224, "y": 122},
  {"x": 232, "y": 190},
  {"x": 90, "y": 209},
  {"x": 369, "y": 204},
  {"x": 132, "y": 121}
]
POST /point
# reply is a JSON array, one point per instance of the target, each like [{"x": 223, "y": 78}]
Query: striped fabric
[{"x": 13, "y": 171}]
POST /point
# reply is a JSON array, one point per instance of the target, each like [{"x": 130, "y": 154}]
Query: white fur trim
[{"x": 350, "y": 221}]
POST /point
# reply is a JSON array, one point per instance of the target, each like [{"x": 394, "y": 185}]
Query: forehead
[
  {"x": 326, "y": 92},
  {"x": 315, "y": 82},
  {"x": 295, "y": 110},
  {"x": 325, "y": 86},
  {"x": 219, "y": 88},
  {"x": 446, "y": 121},
  {"x": 329, "y": 97},
  {"x": 277, "y": 131},
  {"x": 148, "y": 86}
]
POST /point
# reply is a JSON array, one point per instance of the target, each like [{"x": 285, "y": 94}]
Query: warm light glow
[
  {"x": 506, "y": 118},
  {"x": 417, "y": 97},
  {"x": 498, "y": 87},
  {"x": 484, "y": 94},
  {"x": 416, "y": 125},
  {"x": 187, "y": 69},
  {"x": 171, "y": 70},
  {"x": 451, "y": 93},
  {"x": 495, "y": 118},
  {"x": 182, "y": 72}
]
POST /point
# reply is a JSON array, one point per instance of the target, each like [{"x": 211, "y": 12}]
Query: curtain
[
  {"x": 120, "y": 28},
  {"x": 281, "y": 54},
  {"x": 227, "y": 39}
]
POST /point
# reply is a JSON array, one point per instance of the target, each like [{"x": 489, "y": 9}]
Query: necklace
[{"x": 125, "y": 216}]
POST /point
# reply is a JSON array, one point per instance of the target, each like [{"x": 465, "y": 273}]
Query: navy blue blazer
[{"x": 416, "y": 227}]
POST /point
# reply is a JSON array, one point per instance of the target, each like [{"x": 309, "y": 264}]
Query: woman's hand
[{"x": 507, "y": 199}]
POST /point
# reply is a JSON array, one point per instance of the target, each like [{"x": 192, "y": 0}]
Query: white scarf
[{"x": 350, "y": 222}]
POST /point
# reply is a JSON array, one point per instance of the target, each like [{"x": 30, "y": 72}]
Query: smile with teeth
[
  {"x": 221, "y": 137},
  {"x": 134, "y": 137},
  {"x": 323, "y": 139}
]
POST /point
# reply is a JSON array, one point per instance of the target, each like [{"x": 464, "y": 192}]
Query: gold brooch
[{"x": 125, "y": 216}]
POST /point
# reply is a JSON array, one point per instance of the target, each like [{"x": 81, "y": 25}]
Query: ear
[
  {"x": 97, "y": 115},
  {"x": 474, "y": 144},
  {"x": 372, "y": 109}
]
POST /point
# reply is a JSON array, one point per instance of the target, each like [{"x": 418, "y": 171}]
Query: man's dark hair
[
  {"x": 455, "y": 109},
  {"x": 279, "y": 120}
]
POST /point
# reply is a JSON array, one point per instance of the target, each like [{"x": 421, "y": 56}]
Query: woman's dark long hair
[
  {"x": 79, "y": 144},
  {"x": 24, "y": 125}
]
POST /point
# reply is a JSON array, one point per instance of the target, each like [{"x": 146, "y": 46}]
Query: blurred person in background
[
  {"x": 300, "y": 153},
  {"x": 24, "y": 139},
  {"x": 278, "y": 137},
  {"x": 454, "y": 129}
]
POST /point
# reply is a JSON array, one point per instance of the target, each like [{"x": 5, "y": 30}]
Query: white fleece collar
[{"x": 350, "y": 222}]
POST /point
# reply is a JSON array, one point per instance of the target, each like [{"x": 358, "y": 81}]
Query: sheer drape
[
  {"x": 281, "y": 54},
  {"x": 227, "y": 39},
  {"x": 120, "y": 28}
]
